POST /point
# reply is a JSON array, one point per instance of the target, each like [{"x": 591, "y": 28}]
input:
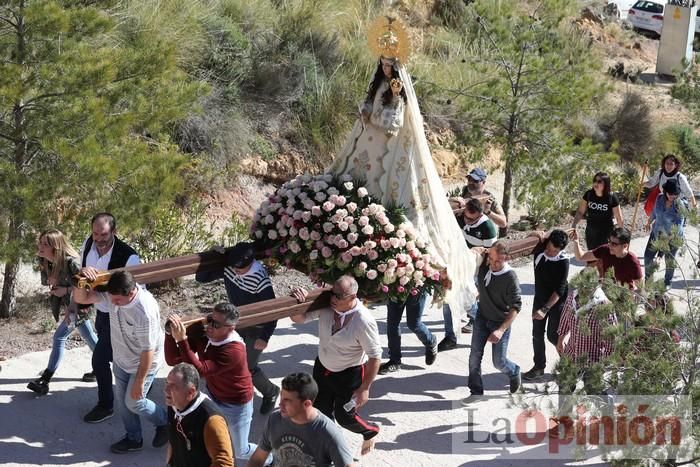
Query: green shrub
[
  {"x": 682, "y": 141},
  {"x": 451, "y": 13},
  {"x": 625, "y": 183},
  {"x": 174, "y": 232}
]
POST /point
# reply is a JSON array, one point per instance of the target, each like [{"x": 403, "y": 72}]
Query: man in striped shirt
[
  {"x": 247, "y": 282},
  {"x": 478, "y": 229}
]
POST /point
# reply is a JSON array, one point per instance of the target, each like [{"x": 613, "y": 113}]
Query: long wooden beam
[{"x": 207, "y": 261}]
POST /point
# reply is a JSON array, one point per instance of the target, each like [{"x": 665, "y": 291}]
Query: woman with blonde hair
[{"x": 59, "y": 262}]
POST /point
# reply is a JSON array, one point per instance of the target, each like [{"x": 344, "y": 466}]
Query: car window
[{"x": 650, "y": 7}]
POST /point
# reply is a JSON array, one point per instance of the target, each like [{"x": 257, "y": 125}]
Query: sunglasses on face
[{"x": 214, "y": 323}]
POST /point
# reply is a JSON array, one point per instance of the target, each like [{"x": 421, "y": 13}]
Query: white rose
[{"x": 362, "y": 192}]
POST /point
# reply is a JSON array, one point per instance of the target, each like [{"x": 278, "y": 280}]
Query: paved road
[{"x": 418, "y": 408}]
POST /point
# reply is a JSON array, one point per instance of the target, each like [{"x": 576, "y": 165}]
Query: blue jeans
[
  {"x": 87, "y": 332},
  {"x": 130, "y": 409},
  {"x": 447, "y": 317},
  {"x": 481, "y": 332},
  {"x": 669, "y": 259},
  {"x": 414, "y": 306},
  {"x": 238, "y": 417}
]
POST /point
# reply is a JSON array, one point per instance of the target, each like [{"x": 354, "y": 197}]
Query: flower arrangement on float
[{"x": 327, "y": 226}]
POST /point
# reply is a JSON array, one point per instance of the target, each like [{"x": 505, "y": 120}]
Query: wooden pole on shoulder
[{"x": 639, "y": 195}]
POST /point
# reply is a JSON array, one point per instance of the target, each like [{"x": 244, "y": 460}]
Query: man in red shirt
[
  {"x": 218, "y": 353},
  {"x": 616, "y": 254}
]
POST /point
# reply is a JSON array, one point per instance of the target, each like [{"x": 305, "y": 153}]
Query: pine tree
[
  {"x": 86, "y": 102},
  {"x": 535, "y": 72}
]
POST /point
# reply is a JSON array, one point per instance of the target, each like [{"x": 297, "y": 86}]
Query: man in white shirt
[
  {"x": 349, "y": 355},
  {"x": 137, "y": 344},
  {"x": 103, "y": 251}
]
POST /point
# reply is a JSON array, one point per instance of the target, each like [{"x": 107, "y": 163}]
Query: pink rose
[
  {"x": 351, "y": 207},
  {"x": 355, "y": 251},
  {"x": 272, "y": 235},
  {"x": 342, "y": 225},
  {"x": 346, "y": 257},
  {"x": 386, "y": 244},
  {"x": 388, "y": 228},
  {"x": 362, "y": 266},
  {"x": 414, "y": 292},
  {"x": 436, "y": 276},
  {"x": 368, "y": 230},
  {"x": 327, "y": 227},
  {"x": 314, "y": 235},
  {"x": 341, "y": 200},
  {"x": 326, "y": 252},
  {"x": 297, "y": 215},
  {"x": 306, "y": 216},
  {"x": 381, "y": 267},
  {"x": 400, "y": 289},
  {"x": 352, "y": 237},
  {"x": 372, "y": 255},
  {"x": 328, "y": 206},
  {"x": 385, "y": 289},
  {"x": 404, "y": 280},
  {"x": 363, "y": 221},
  {"x": 392, "y": 263},
  {"x": 343, "y": 244},
  {"x": 371, "y": 274},
  {"x": 316, "y": 211}
]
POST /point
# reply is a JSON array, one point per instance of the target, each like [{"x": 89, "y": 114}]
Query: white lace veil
[{"x": 427, "y": 205}]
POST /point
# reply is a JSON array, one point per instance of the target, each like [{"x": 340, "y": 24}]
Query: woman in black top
[
  {"x": 551, "y": 287},
  {"x": 599, "y": 205}
]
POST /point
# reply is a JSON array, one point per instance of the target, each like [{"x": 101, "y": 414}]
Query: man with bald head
[{"x": 349, "y": 354}]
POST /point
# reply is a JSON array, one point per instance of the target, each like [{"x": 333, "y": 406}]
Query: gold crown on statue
[{"x": 389, "y": 38}]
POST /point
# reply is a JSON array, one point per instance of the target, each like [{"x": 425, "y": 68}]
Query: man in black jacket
[
  {"x": 247, "y": 282},
  {"x": 103, "y": 251}
]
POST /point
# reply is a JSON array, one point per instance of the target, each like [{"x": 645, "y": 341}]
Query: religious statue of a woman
[{"x": 388, "y": 149}]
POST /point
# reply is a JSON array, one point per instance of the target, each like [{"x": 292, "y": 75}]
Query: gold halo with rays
[{"x": 388, "y": 37}]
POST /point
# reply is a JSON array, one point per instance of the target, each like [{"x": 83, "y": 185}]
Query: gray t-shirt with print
[{"x": 319, "y": 443}]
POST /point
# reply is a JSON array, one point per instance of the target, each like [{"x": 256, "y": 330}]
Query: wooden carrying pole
[
  {"x": 639, "y": 195},
  {"x": 267, "y": 310}
]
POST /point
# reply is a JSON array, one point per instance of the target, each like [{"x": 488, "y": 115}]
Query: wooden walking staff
[{"x": 639, "y": 195}]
